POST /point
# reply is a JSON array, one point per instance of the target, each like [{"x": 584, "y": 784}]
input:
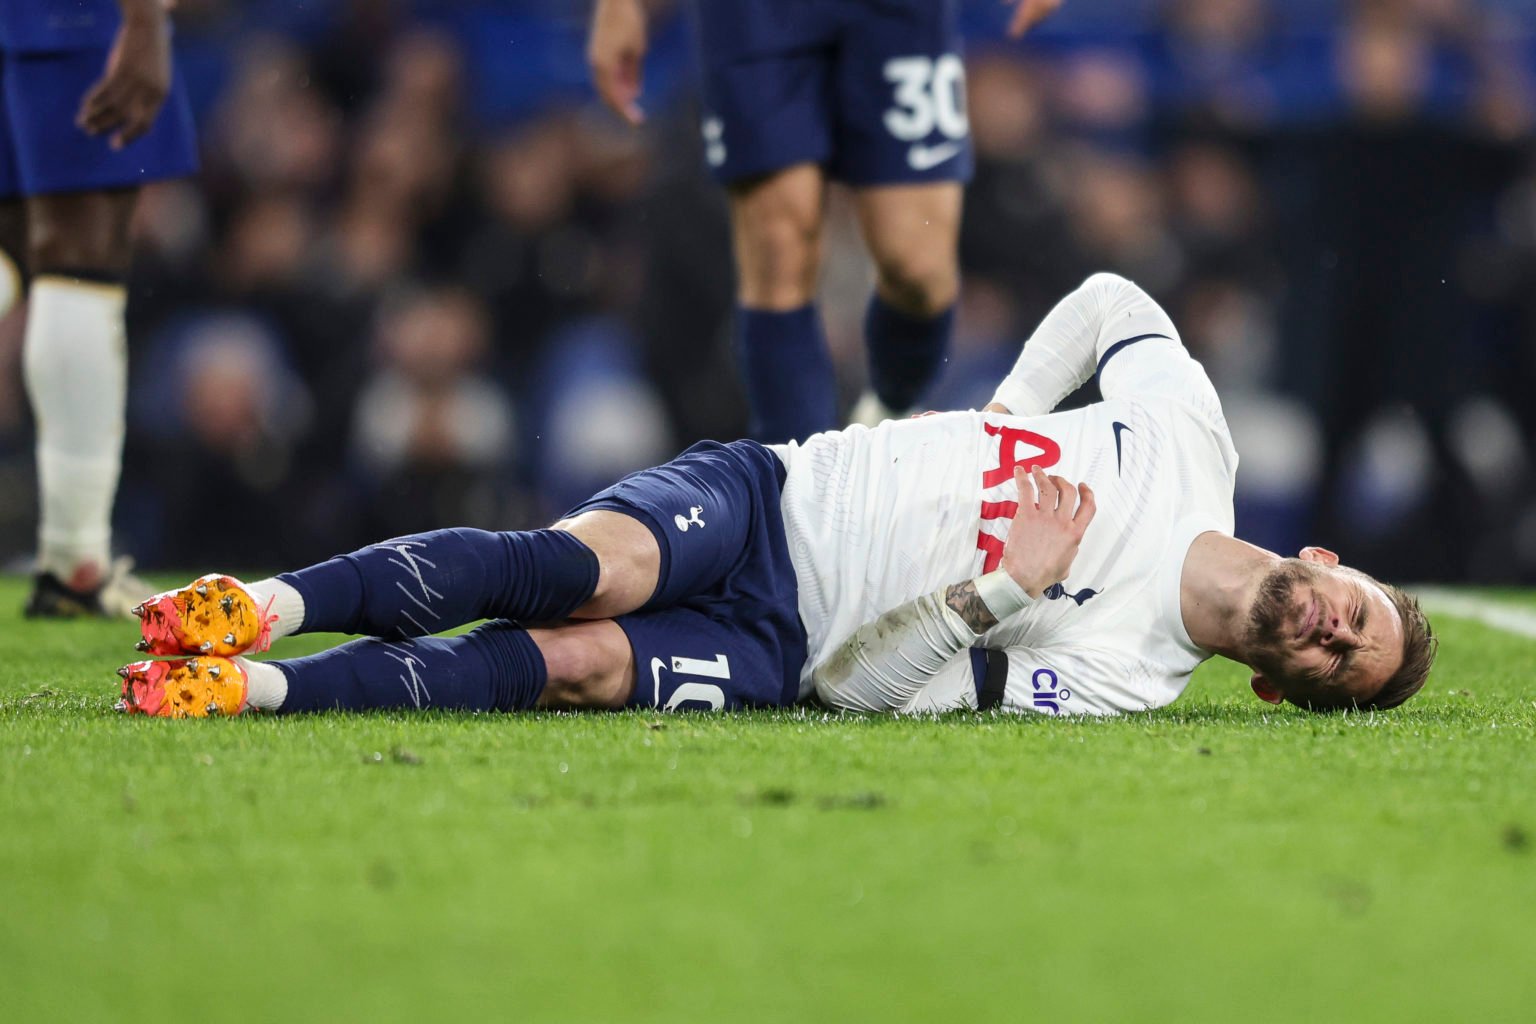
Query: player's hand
[
  {"x": 136, "y": 80},
  {"x": 1046, "y": 533},
  {"x": 1029, "y": 13},
  {"x": 616, "y": 53}
]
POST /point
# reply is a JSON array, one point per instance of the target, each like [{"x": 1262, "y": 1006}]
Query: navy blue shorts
[
  {"x": 723, "y": 627},
  {"x": 874, "y": 90},
  {"x": 41, "y": 150}
]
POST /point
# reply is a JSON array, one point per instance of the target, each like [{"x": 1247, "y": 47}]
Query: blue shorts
[
  {"x": 874, "y": 90},
  {"x": 41, "y": 150},
  {"x": 722, "y": 630}
]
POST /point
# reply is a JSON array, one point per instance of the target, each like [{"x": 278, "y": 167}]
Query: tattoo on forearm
[{"x": 962, "y": 597}]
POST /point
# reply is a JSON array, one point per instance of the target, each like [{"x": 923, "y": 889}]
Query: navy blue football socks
[
  {"x": 905, "y": 352},
  {"x": 790, "y": 382},
  {"x": 494, "y": 668},
  {"x": 429, "y": 582}
]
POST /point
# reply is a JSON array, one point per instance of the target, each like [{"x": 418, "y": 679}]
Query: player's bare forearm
[{"x": 964, "y": 600}]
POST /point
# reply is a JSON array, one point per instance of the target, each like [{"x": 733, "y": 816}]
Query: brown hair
[{"x": 1419, "y": 647}]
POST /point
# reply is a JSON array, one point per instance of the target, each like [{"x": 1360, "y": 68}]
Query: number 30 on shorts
[{"x": 929, "y": 94}]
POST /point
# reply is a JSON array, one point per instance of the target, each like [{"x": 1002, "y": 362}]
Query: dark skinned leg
[
  {"x": 83, "y": 234},
  {"x": 13, "y": 244},
  {"x": 77, "y": 255}
]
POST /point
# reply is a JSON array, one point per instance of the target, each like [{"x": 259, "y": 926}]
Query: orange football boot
[
  {"x": 183, "y": 688},
  {"x": 211, "y": 615}
]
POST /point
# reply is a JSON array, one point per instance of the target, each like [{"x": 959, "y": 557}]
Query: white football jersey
[{"x": 876, "y": 518}]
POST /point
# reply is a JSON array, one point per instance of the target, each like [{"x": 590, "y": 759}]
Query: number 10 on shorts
[{"x": 717, "y": 667}]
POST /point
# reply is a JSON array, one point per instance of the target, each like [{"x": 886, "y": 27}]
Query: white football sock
[
  {"x": 10, "y": 283},
  {"x": 265, "y": 685},
  {"x": 75, "y": 363},
  {"x": 286, "y": 604}
]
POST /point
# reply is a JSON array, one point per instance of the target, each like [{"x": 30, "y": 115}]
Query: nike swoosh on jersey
[
  {"x": 926, "y": 158},
  {"x": 1118, "y": 428},
  {"x": 656, "y": 666}
]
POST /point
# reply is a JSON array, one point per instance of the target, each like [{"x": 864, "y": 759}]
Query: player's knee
[
  {"x": 919, "y": 280},
  {"x": 777, "y": 263},
  {"x": 85, "y": 233},
  {"x": 628, "y": 561},
  {"x": 93, "y": 251},
  {"x": 776, "y": 228},
  {"x": 587, "y": 665}
]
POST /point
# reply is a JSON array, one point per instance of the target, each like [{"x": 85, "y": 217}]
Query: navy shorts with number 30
[
  {"x": 722, "y": 630},
  {"x": 873, "y": 90}
]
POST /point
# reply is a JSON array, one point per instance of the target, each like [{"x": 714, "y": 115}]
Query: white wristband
[{"x": 1001, "y": 594}]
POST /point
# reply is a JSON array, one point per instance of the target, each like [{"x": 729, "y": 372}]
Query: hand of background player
[
  {"x": 1045, "y": 536},
  {"x": 136, "y": 79},
  {"x": 1029, "y": 13},
  {"x": 615, "y": 53}
]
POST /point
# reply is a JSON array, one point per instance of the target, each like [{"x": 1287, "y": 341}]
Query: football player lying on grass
[{"x": 926, "y": 564}]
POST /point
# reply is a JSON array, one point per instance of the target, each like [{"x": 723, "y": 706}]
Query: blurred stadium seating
[{"x": 423, "y": 280}]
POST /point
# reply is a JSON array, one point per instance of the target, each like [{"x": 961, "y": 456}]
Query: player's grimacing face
[{"x": 1319, "y": 629}]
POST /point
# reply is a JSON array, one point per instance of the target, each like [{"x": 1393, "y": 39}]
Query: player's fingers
[
  {"x": 1029, "y": 493},
  {"x": 605, "y": 79},
  {"x": 629, "y": 87},
  {"x": 1046, "y": 485},
  {"x": 96, "y": 110},
  {"x": 1087, "y": 506},
  {"x": 1029, "y": 13},
  {"x": 1066, "y": 496},
  {"x": 137, "y": 120}
]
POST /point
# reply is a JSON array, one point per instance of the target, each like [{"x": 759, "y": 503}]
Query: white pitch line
[{"x": 1507, "y": 617}]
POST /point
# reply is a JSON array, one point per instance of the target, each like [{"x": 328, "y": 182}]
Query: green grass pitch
[{"x": 1215, "y": 861}]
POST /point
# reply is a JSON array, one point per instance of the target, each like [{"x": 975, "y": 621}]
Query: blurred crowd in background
[{"x": 424, "y": 280}]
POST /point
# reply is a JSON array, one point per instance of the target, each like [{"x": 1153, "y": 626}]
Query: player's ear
[
  {"x": 1265, "y": 690},
  {"x": 1322, "y": 556}
]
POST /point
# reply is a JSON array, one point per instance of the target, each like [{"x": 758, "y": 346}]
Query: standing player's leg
[
  {"x": 776, "y": 226},
  {"x": 768, "y": 129},
  {"x": 88, "y": 124},
  {"x": 13, "y": 249},
  {"x": 913, "y": 234},
  {"x": 904, "y": 144},
  {"x": 75, "y": 366}
]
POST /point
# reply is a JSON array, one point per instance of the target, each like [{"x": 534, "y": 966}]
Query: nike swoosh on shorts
[{"x": 926, "y": 158}]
